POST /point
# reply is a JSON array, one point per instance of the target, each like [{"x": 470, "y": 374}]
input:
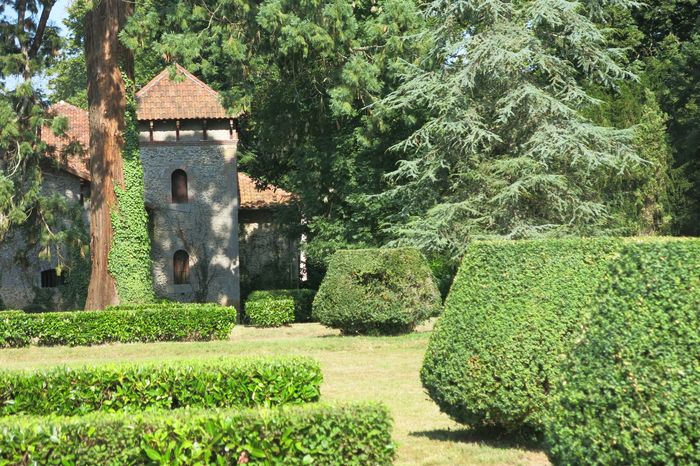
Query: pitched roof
[
  {"x": 70, "y": 151},
  {"x": 253, "y": 198},
  {"x": 186, "y": 97},
  {"x": 79, "y": 132}
]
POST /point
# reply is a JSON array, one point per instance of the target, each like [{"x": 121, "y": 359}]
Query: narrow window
[
  {"x": 51, "y": 279},
  {"x": 181, "y": 267},
  {"x": 179, "y": 186}
]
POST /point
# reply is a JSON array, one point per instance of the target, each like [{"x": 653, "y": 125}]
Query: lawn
[{"x": 354, "y": 368}]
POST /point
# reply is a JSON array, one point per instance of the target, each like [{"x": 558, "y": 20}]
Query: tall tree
[
  {"x": 112, "y": 142},
  {"x": 40, "y": 220},
  {"x": 28, "y": 44},
  {"x": 506, "y": 150}
]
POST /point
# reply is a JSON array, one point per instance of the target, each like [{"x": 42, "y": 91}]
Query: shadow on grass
[{"x": 495, "y": 438}]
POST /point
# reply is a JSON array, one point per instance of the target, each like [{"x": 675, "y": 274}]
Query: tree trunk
[{"x": 107, "y": 106}]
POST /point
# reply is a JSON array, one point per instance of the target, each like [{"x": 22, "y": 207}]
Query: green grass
[{"x": 354, "y": 368}]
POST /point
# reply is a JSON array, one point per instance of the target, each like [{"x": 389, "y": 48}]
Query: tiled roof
[
  {"x": 254, "y": 198},
  {"x": 251, "y": 197},
  {"x": 186, "y": 97},
  {"x": 71, "y": 150}
]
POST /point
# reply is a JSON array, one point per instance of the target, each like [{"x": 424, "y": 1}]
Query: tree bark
[{"x": 107, "y": 106}]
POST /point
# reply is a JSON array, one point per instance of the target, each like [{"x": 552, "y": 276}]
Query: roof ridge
[
  {"x": 195, "y": 79},
  {"x": 152, "y": 82}
]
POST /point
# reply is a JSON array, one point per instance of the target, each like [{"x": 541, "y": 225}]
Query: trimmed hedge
[
  {"x": 303, "y": 301},
  {"x": 353, "y": 434},
  {"x": 631, "y": 395},
  {"x": 513, "y": 309},
  {"x": 272, "y": 311},
  {"x": 377, "y": 291},
  {"x": 195, "y": 322},
  {"x": 219, "y": 383}
]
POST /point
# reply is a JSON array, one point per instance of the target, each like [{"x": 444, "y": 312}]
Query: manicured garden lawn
[{"x": 354, "y": 368}]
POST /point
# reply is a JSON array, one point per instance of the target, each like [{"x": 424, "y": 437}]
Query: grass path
[{"x": 354, "y": 368}]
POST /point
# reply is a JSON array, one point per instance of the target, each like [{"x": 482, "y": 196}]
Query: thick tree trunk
[{"x": 107, "y": 105}]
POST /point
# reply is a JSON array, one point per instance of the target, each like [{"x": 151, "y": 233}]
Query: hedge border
[
  {"x": 349, "y": 434},
  {"x": 74, "y": 328},
  {"x": 251, "y": 381}
]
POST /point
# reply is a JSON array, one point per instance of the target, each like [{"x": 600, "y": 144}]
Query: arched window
[
  {"x": 181, "y": 267},
  {"x": 51, "y": 279},
  {"x": 179, "y": 186}
]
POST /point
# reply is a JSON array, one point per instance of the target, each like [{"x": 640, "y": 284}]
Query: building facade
[{"x": 194, "y": 195}]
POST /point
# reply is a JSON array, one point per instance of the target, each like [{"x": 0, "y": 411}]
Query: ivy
[{"x": 130, "y": 255}]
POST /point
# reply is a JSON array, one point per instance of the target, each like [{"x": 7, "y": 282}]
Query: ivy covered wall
[{"x": 130, "y": 256}]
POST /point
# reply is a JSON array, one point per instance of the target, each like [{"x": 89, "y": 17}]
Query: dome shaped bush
[
  {"x": 631, "y": 395},
  {"x": 376, "y": 292},
  {"x": 514, "y": 308}
]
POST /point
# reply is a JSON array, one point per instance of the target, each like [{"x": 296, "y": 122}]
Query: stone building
[{"x": 197, "y": 202}]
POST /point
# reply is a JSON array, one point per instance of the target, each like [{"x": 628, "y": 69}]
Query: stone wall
[
  {"x": 20, "y": 277},
  {"x": 206, "y": 226},
  {"x": 269, "y": 257}
]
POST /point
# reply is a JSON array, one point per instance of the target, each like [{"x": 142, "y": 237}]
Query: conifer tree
[{"x": 505, "y": 150}]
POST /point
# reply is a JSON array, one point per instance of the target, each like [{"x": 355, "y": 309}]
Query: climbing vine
[{"x": 130, "y": 255}]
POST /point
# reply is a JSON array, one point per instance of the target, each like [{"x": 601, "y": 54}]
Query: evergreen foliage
[
  {"x": 514, "y": 308},
  {"x": 505, "y": 150},
  {"x": 303, "y": 301},
  {"x": 171, "y": 385},
  {"x": 270, "y": 311},
  {"x": 194, "y": 322},
  {"x": 377, "y": 292},
  {"x": 351, "y": 434},
  {"x": 38, "y": 220},
  {"x": 631, "y": 391}
]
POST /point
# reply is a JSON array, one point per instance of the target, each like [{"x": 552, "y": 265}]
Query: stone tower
[{"x": 188, "y": 150}]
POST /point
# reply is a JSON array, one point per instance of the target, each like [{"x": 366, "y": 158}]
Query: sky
[{"x": 58, "y": 14}]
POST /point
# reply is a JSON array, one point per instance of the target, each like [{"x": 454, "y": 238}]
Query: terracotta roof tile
[
  {"x": 187, "y": 97},
  {"x": 71, "y": 150},
  {"x": 254, "y": 198}
]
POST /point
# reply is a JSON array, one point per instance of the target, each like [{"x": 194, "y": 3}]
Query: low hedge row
[
  {"x": 218, "y": 383},
  {"x": 303, "y": 301},
  {"x": 514, "y": 308},
  {"x": 353, "y": 434},
  {"x": 156, "y": 305},
  {"x": 631, "y": 391},
  {"x": 271, "y": 311},
  {"x": 181, "y": 323}
]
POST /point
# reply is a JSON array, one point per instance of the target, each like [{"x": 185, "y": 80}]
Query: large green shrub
[
  {"x": 270, "y": 311},
  {"x": 353, "y": 434},
  {"x": 376, "y": 291},
  {"x": 303, "y": 300},
  {"x": 193, "y": 322},
  {"x": 514, "y": 308},
  {"x": 170, "y": 385},
  {"x": 631, "y": 391}
]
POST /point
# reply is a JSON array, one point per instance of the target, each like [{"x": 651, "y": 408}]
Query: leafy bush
[
  {"x": 193, "y": 322},
  {"x": 271, "y": 311},
  {"x": 376, "y": 291},
  {"x": 220, "y": 383},
  {"x": 353, "y": 434},
  {"x": 513, "y": 309},
  {"x": 303, "y": 300},
  {"x": 150, "y": 306},
  {"x": 631, "y": 393}
]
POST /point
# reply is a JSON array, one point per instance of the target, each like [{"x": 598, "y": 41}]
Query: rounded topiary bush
[
  {"x": 513, "y": 309},
  {"x": 376, "y": 292},
  {"x": 631, "y": 394}
]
